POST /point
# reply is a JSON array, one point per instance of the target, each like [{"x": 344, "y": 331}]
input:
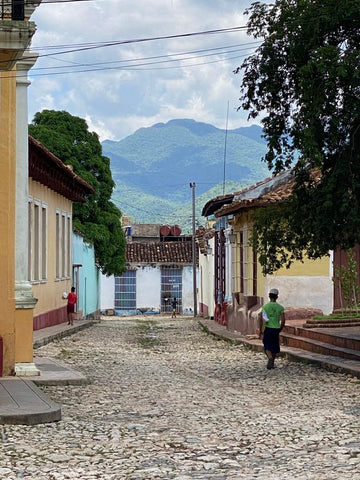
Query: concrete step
[
  {"x": 320, "y": 347},
  {"x": 347, "y": 338},
  {"x": 328, "y": 362},
  {"x": 332, "y": 324}
]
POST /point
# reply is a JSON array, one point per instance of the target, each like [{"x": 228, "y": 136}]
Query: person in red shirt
[{"x": 71, "y": 298}]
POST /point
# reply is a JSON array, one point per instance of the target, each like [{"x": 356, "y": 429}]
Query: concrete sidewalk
[
  {"x": 328, "y": 362},
  {"x": 21, "y": 401}
]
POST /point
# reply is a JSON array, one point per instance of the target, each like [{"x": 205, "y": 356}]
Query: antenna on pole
[
  {"x": 226, "y": 131},
  {"x": 192, "y": 186}
]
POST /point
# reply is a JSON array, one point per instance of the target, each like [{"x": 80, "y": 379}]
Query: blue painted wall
[{"x": 88, "y": 289}]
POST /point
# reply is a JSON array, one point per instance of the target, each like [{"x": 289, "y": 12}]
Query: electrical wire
[
  {"x": 149, "y": 212},
  {"x": 37, "y": 3},
  {"x": 136, "y": 67},
  {"x": 92, "y": 46},
  {"x": 168, "y": 57},
  {"x": 141, "y": 65}
]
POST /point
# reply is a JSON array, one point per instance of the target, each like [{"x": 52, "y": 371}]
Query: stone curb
[{"x": 64, "y": 333}]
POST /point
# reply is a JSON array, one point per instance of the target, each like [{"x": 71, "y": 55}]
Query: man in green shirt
[{"x": 271, "y": 321}]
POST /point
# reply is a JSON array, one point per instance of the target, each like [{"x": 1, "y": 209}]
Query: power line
[
  {"x": 140, "y": 67},
  {"x": 168, "y": 57},
  {"x": 43, "y": 2},
  {"x": 133, "y": 68},
  {"x": 92, "y": 46},
  {"x": 150, "y": 212}
]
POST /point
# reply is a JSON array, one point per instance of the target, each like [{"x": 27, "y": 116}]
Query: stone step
[
  {"x": 332, "y": 323},
  {"x": 320, "y": 347},
  {"x": 343, "y": 338}
]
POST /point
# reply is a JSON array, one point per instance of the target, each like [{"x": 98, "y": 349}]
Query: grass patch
[
  {"x": 145, "y": 325},
  {"x": 65, "y": 354},
  {"x": 148, "y": 337},
  {"x": 148, "y": 341}
]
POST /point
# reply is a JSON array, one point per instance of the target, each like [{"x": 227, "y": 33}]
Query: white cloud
[
  {"x": 99, "y": 128},
  {"x": 115, "y": 101}
]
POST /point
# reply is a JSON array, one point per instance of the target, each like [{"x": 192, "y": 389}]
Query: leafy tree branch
[
  {"x": 305, "y": 83},
  {"x": 98, "y": 218}
]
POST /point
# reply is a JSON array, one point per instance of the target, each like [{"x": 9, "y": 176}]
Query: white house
[{"x": 157, "y": 271}]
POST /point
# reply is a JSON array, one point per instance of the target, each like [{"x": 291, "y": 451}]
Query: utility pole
[{"x": 192, "y": 186}]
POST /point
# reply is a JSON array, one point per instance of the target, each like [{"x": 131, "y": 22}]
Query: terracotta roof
[
  {"x": 267, "y": 192},
  {"x": 222, "y": 200},
  {"x": 215, "y": 203},
  {"x": 47, "y": 169},
  {"x": 203, "y": 235},
  {"x": 159, "y": 252}
]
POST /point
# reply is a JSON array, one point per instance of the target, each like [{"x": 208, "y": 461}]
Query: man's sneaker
[{"x": 270, "y": 364}]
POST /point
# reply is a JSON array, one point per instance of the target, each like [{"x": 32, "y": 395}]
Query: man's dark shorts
[{"x": 271, "y": 340}]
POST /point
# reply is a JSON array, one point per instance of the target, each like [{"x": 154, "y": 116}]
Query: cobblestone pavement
[{"x": 168, "y": 401}]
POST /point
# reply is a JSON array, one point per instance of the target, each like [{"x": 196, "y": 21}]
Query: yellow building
[
  {"x": 16, "y": 32},
  {"x": 304, "y": 287},
  {"x": 53, "y": 187}
]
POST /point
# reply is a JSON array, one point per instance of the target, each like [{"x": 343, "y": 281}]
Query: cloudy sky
[{"x": 123, "y": 64}]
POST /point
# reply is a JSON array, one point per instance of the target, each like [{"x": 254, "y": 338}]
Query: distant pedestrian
[
  {"x": 72, "y": 299},
  {"x": 174, "y": 303},
  {"x": 271, "y": 322}
]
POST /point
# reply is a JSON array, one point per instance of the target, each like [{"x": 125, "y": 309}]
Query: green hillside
[{"x": 153, "y": 167}]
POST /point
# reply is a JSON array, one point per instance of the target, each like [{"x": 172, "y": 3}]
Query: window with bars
[
  {"x": 171, "y": 286},
  {"x": 220, "y": 266},
  {"x": 254, "y": 269},
  {"x": 125, "y": 291},
  {"x": 248, "y": 265},
  {"x": 242, "y": 264}
]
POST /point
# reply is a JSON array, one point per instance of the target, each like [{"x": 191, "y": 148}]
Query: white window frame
[
  {"x": 63, "y": 240},
  {"x": 37, "y": 254}
]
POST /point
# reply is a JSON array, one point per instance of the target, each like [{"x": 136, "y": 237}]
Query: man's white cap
[{"x": 274, "y": 291}]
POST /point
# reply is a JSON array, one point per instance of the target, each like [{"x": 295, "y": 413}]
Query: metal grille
[
  {"x": 220, "y": 267},
  {"x": 242, "y": 286},
  {"x": 171, "y": 286},
  {"x": 254, "y": 272},
  {"x": 18, "y": 10},
  {"x": 125, "y": 291}
]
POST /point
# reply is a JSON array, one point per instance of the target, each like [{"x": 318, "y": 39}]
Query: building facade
[
  {"x": 16, "y": 31},
  {"x": 305, "y": 288},
  {"x": 158, "y": 271},
  {"x": 86, "y": 278},
  {"x": 53, "y": 187}
]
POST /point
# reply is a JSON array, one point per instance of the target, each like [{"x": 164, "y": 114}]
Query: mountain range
[{"x": 153, "y": 168}]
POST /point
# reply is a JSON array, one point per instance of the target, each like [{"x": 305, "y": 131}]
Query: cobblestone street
[{"x": 168, "y": 401}]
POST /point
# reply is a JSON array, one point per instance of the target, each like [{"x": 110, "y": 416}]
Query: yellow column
[{"x": 7, "y": 218}]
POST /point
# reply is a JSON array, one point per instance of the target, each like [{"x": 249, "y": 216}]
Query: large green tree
[
  {"x": 304, "y": 82},
  {"x": 98, "y": 218}
]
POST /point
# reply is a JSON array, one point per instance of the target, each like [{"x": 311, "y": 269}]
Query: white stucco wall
[
  {"x": 206, "y": 279},
  {"x": 187, "y": 289},
  {"x": 107, "y": 292},
  {"x": 148, "y": 287},
  {"x": 303, "y": 291}
]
